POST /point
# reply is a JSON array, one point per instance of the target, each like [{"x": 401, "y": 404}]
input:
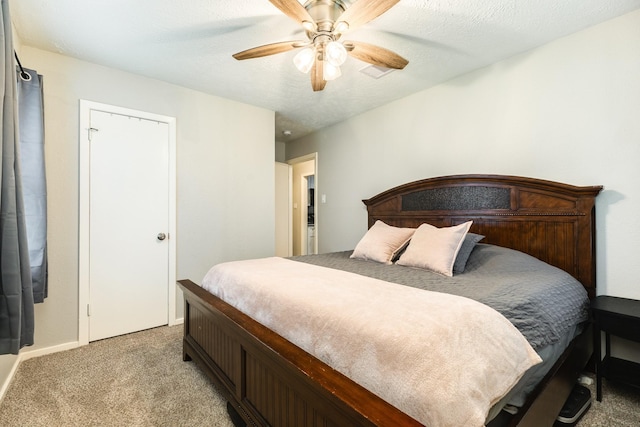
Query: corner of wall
[
  {"x": 9, "y": 363},
  {"x": 281, "y": 149},
  {"x": 8, "y": 366},
  {"x": 17, "y": 42}
]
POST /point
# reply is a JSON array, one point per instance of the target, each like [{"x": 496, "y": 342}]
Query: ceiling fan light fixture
[
  {"x": 304, "y": 59},
  {"x": 330, "y": 71},
  {"x": 335, "y": 53}
]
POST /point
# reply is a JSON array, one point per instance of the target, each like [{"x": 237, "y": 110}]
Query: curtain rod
[{"x": 23, "y": 74}]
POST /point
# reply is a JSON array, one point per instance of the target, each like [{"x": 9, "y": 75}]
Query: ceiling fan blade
[
  {"x": 375, "y": 55},
  {"x": 293, "y": 10},
  {"x": 317, "y": 76},
  {"x": 363, "y": 11},
  {"x": 268, "y": 49}
]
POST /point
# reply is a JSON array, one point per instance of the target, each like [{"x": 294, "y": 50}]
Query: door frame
[
  {"x": 289, "y": 208},
  {"x": 84, "y": 214},
  {"x": 317, "y": 209}
]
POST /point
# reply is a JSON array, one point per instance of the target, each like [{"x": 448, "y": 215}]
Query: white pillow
[
  {"x": 382, "y": 242},
  {"x": 434, "y": 248}
]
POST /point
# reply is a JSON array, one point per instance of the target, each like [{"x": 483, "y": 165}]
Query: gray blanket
[{"x": 542, "y": 301}]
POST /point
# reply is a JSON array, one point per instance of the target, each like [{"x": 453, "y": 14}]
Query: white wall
[
  {"x": 281, "y": 150},
  {"x": 225, "y": 174},
  {"x": 283, "y": 214},
  {"x": 568, "y": 111}
]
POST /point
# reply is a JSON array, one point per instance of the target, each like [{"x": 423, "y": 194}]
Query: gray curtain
[
  {"x": 34, "y": 187},
  {"x": 16, "y": 292}
]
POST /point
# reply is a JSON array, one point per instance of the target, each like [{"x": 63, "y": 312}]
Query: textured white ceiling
[{"x": 190, "y": 43}]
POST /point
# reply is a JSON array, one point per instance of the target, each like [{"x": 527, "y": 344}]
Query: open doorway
[
  {"x": 304, "y": 206},
  {"x": 311, "y": 223}
]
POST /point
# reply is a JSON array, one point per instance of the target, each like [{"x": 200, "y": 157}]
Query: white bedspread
[{"x": 445, "y": 360}]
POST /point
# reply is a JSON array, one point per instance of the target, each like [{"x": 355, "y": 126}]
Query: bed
[{"x": 268, "y": 380}]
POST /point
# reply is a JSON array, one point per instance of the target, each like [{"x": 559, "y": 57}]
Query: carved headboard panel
[{"x": 552, "y": 221}]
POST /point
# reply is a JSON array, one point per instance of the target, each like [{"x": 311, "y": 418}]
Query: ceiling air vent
[{"x": 376, "y": 71}]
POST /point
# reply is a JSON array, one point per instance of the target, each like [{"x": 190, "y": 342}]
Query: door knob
[{"x": 162, "y": 236}]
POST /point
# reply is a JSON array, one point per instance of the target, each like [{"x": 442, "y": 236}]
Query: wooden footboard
[{"x": 268, "y": 380}]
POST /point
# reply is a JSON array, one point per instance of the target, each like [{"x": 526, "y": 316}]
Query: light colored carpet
[
  {"x": 620, "y": 407},
  {"x": 131, "y": 380},
  {"x": 141, "y": 380}
]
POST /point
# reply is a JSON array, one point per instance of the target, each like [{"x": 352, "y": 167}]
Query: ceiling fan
[{"x": 324, "y": 22}]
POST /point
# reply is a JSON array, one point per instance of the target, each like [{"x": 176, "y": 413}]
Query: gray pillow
[{"x": 468, "y": 244}]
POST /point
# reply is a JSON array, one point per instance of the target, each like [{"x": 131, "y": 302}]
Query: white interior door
[{"x": 129, "y": 220}]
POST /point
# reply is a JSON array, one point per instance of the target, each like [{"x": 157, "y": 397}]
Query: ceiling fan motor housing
[{"x": 325, "y": 13}]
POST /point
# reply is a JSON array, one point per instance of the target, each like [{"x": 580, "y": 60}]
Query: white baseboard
[{"x": 48, "y": 350}]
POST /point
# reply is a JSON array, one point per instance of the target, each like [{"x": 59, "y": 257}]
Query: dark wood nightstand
[{"x": 619, "y": 317}]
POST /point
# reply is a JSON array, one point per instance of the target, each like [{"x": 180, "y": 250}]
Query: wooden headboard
[{"x": 551, "y": 221}]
